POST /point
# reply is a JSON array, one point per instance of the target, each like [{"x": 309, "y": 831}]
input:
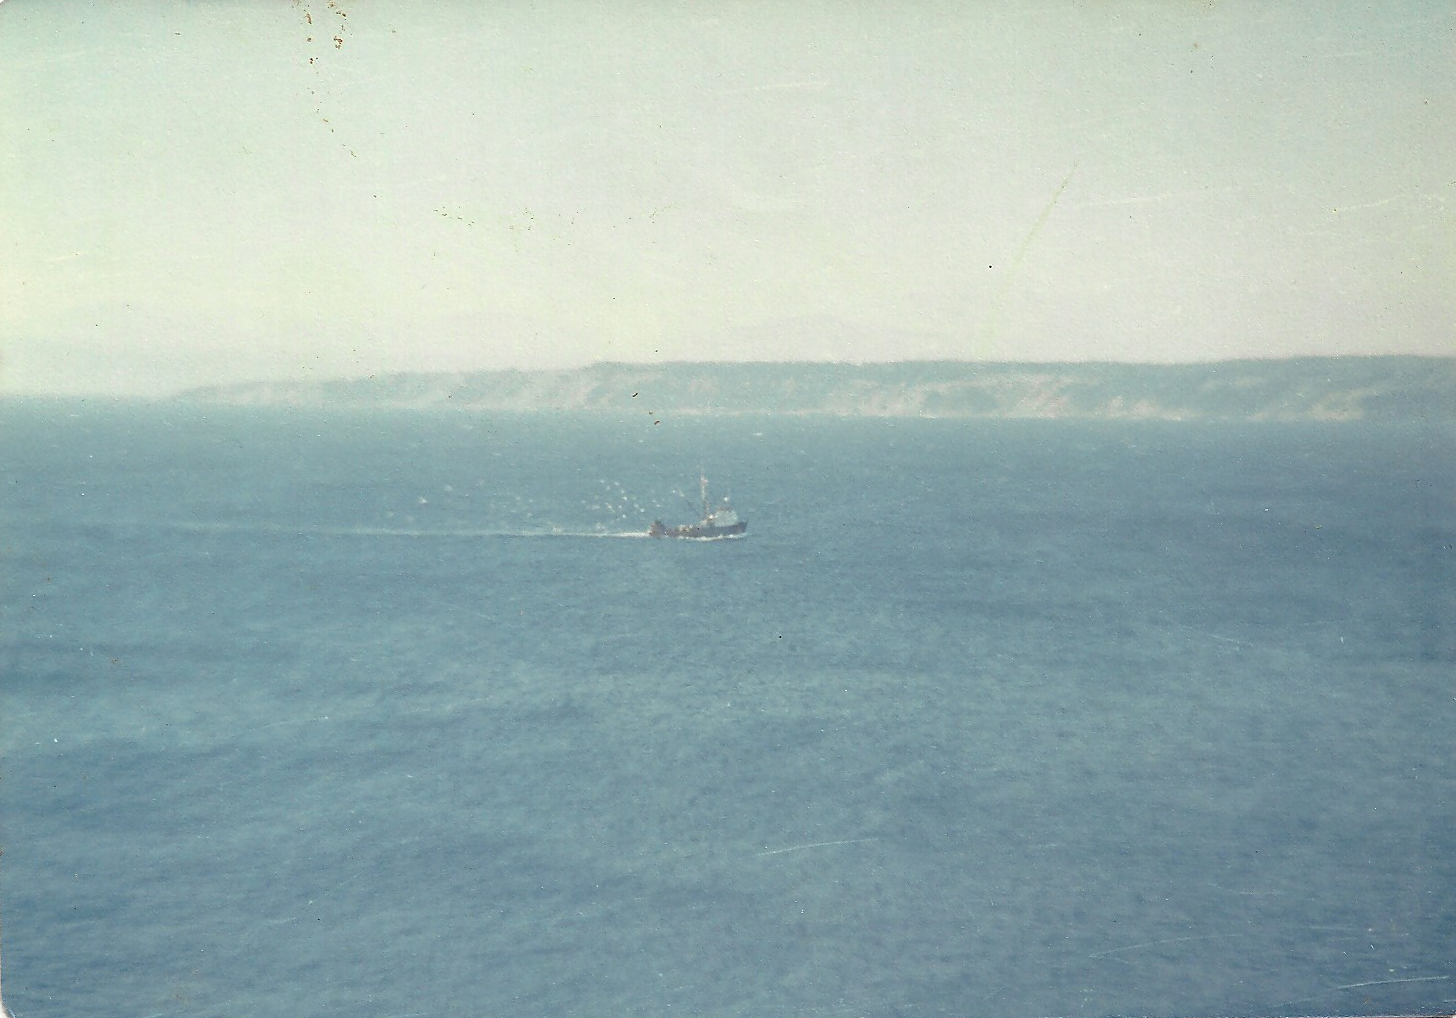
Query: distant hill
[{"x": 1309, "y": 388}]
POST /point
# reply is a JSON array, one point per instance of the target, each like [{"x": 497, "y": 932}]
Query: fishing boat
[{"x": 717, "y": 522}]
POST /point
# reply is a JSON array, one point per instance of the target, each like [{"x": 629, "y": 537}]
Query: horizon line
[{"x": 311, "y": 380}]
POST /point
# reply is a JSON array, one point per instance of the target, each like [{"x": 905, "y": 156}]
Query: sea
[{"x": 393, "y": 714}]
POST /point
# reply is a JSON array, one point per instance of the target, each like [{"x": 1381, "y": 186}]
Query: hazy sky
[{"x": 216, "y": 190}]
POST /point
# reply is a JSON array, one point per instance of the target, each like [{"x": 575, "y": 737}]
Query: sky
[{"x": 209, "y": 191}]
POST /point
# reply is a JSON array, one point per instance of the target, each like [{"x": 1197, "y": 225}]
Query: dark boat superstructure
[{"x": 719, "y": 521}]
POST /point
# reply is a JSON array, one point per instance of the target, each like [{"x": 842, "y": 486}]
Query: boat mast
[{"x": 703, "y": 487}]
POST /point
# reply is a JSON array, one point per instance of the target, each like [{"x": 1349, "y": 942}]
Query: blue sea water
[{"x": 395, "y": 714}]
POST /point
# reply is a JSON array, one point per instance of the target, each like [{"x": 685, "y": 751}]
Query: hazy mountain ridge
[{"x": 1312, "y": 388}]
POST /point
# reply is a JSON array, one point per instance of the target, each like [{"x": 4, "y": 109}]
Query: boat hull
[{"x": 698, "y": 531}]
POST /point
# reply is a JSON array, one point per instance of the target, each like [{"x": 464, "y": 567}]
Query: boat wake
[{"x": 410, "y": 532}]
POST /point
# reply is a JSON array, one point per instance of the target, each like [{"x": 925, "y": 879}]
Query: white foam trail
[
  {"x": 414, "y": 532},
  {"x": 815, "y": 844}
]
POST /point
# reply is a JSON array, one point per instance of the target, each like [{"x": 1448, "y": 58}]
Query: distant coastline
[{"x": 1382, "y": 388}]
